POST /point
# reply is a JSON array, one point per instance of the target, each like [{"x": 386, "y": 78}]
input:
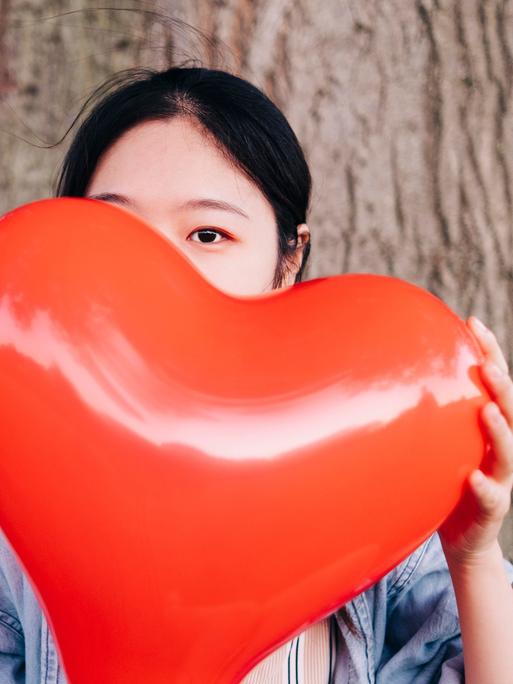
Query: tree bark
[{"x": 404, "y": 110}]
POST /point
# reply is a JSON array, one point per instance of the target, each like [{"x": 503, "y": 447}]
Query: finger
[
  {"x": 500, "y": 386},
  {"x": 488, "y": 342},
  {"x": 500, "y": 465},
  {"x": 492, "y": 498}
]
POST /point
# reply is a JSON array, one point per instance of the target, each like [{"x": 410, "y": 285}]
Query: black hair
[{"x": 245, "y": 125}]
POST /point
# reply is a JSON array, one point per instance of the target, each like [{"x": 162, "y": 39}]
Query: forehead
[{"x": 171, "y": 157}]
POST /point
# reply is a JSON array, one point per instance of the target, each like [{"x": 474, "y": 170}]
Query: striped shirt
[{"x": 309, "y": 658}]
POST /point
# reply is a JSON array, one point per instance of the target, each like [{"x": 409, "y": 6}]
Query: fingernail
[
  {"x": 494, "y": 371},
  {"x": 493, "y": 412},
  {"x": 479, "y": 478},
  {"x": 480, "y": 325}
]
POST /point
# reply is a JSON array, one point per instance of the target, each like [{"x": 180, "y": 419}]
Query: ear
[{"x": 294, "y": 261}]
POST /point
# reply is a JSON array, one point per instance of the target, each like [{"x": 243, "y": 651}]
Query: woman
[{"x": 209, "y": 161}]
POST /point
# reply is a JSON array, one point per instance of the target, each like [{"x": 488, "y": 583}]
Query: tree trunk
[{"x": 403, "y": 109}]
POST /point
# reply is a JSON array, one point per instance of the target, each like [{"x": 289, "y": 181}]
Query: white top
[{"x": 309, "y": 658}]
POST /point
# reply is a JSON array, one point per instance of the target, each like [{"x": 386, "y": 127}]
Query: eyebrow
[{"x": 196, "y": 203}]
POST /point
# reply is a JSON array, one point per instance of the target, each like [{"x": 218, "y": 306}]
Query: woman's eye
[{"x": 209, "y": 235}]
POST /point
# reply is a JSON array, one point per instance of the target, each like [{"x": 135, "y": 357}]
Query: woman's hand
[{"x": 472, "y": 529}]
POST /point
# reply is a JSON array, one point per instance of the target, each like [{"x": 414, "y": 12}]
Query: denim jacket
[{"x": 408, "y": 627}]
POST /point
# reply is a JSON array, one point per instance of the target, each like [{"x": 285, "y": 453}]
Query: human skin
[
  {"x": 470, "y": 536},
  {"x": 159, "y": 166}
]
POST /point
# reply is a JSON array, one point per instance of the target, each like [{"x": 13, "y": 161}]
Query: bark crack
[{"x": 434, "y": 121}]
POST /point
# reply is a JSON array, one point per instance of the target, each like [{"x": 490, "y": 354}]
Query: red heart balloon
[{"x": 168, "y": 449}]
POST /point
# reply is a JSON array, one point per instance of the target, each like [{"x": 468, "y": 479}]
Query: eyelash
[{"x": 210, "y": 230}]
